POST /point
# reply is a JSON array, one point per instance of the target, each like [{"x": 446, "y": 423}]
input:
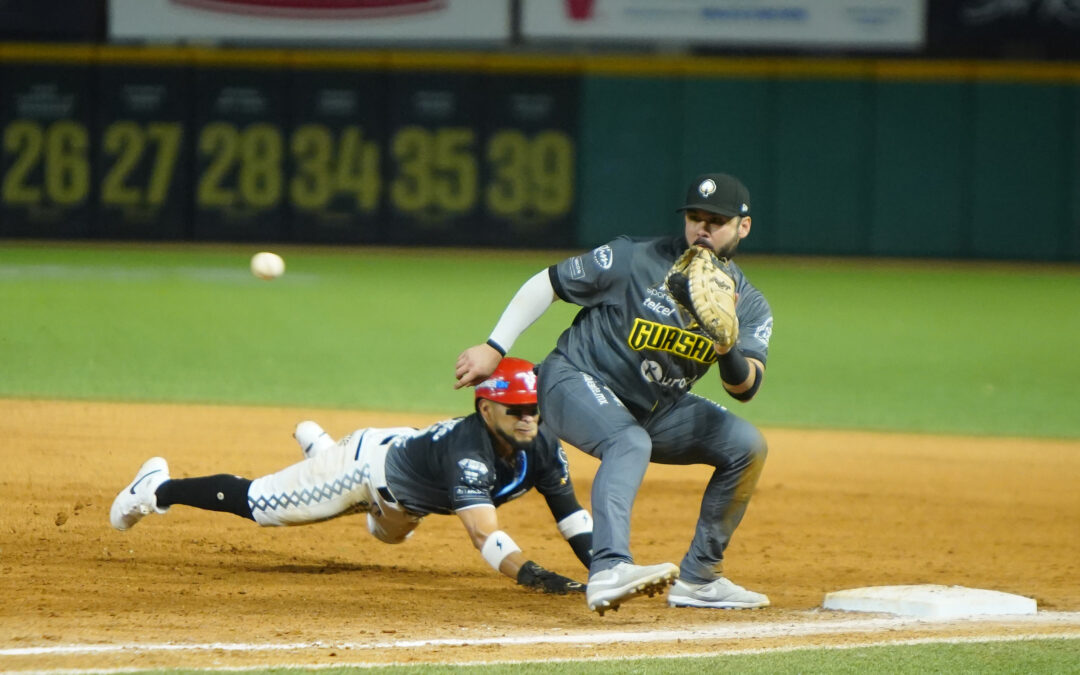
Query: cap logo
[
  {"x": 707, "y": 187},
  {"x": 528, "y": 378},
  {"x": 495, "y": 383},
  {"x": 743, "y": 208}
]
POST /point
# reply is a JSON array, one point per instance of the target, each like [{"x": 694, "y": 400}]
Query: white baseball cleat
[
  {"x": 718, "y": 594},
  {"x": 612, "y": 587},
  {"x": 138, "y": 498},
  {"x": 312, "y": 438}
]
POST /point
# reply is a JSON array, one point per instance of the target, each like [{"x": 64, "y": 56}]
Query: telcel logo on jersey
[
  {"x": 662, "y": 305},
  {"x": 655, "y": 306},
  {"x": 664, "y": 338}
]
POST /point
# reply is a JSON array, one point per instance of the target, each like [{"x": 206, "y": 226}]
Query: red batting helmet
[{"x": 512, "y": 383}]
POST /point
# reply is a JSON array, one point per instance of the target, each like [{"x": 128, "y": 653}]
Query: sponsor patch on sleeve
[
  {"x": 462, "y": 493},
  {"x": 474, "y": 473},
  {"x": 764, "y": 331},
  {"x": 577, "y": 268},
  {"x": 603, "y": 257}
]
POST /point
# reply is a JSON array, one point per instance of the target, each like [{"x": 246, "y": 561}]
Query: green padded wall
[
  {"x": 922, "y": 150},
  {"x": 953, "y": 161},
  {"x": 823, "y": 145},
  {"x": 726, "y": 127},
  {"x": 1072, "y": 223},
  {"x": 629, "y": 159},
  {"x": 892, "y": 157},
  {"x": 1020, "y": 173}
]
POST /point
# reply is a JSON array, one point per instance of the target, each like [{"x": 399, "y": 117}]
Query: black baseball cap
[{"x": 718, "y": 193}]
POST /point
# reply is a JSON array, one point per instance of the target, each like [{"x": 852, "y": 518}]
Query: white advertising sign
[
  {"x": 339, "y": 21},
  {"x": 872, "y": 24}
]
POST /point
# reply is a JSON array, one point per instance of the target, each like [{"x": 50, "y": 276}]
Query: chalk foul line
[{"x": 702, "y": 633}]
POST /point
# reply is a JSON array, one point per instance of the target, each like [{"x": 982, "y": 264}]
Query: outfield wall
[{"x": 843, "y": 157}]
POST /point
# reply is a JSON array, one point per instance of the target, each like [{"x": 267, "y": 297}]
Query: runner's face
[{"x": 514, "y": 424}]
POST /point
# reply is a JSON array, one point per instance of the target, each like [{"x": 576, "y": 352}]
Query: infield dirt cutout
[{"x": 833, "y": 510}]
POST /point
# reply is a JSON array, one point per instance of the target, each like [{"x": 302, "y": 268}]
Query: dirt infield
[{"x": 832, "y": 511}]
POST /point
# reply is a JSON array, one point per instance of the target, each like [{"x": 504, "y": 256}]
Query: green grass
[
  {"x": 963, "y": 349},
  {"x": 957, "y": 349},
  {"x": 949, "y": 348}
]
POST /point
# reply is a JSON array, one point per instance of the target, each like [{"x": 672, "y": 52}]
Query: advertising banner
[
  {"x": 46, "y": 134},
  {"x": 300, "y": 21},
  {"x": 848, "y": 24},
  {"x": 1027, "y": 29},
  {"x": 144, "y": 159}
]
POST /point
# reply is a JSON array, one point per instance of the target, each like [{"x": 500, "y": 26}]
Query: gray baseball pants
[{"x": 585, "y": 413}]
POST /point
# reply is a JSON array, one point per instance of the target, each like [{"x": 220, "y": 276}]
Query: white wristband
[
  {"x": 496, "y": 547},
  {"x": 578, "y": 522}
]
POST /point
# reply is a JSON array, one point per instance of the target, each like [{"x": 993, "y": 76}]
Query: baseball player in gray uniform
[
  {"x": 617, "y": 386},
  {"x": 466, "y": 466}
]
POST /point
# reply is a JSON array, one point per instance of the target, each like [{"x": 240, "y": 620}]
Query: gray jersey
[{"x": 630, "y": 333}]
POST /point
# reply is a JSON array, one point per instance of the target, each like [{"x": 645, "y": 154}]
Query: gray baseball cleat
[
  {"x": 138, "y": 498},
  {"x": 718, "y": 594},
  {"x": 612, "y": 587},
  {"x": 312, "y": 438}
]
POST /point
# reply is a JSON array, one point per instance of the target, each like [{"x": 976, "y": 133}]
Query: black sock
[{"x": 222, "y": 492}]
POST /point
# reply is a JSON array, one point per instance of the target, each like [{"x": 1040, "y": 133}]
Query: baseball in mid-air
[{"x": 267, "y": 265}]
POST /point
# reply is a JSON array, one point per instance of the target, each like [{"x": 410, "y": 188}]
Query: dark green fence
[
  {"x": 951, "y": 160},
  {"x": 896, "y": 158}
]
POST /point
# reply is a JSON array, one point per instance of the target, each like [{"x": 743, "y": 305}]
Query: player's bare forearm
[
  {"x": 500, "y": 551},
  {"x": 475, "y": 364},
  {"x": 481, "y": 523}
]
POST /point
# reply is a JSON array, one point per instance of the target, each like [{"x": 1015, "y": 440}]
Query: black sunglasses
[{"x": 522, "y": 410}]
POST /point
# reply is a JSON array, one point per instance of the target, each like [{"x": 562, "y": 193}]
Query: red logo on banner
[
  {"x": 317, "y": 9},
  {"x": 580, "y": 10}
]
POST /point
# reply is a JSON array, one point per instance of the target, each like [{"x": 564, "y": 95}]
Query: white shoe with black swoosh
[
  {"x": 718, "y": 594},
  {"x": 138, "y": 498},
  {"x": 612, "y": 587}
]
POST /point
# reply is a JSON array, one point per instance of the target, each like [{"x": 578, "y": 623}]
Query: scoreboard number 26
[{"x": 60, "y": 149}]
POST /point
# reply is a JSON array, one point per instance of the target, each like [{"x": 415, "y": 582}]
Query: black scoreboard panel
[
  {"x": 46, "y": 146},
  {"x": 432, "y": 163},
  {"x": 231, "y": 146},
  {"x": 238, "y": 144},
  {"x": 529, "y": 155},
  {"x": 335, "y": 149},
  {"x": 144, "y": 191}
]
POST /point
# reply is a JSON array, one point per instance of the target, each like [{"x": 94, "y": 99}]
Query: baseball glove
[
  {"x": 532, "y": 575},
  {"x": 701, "y": 284}
]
